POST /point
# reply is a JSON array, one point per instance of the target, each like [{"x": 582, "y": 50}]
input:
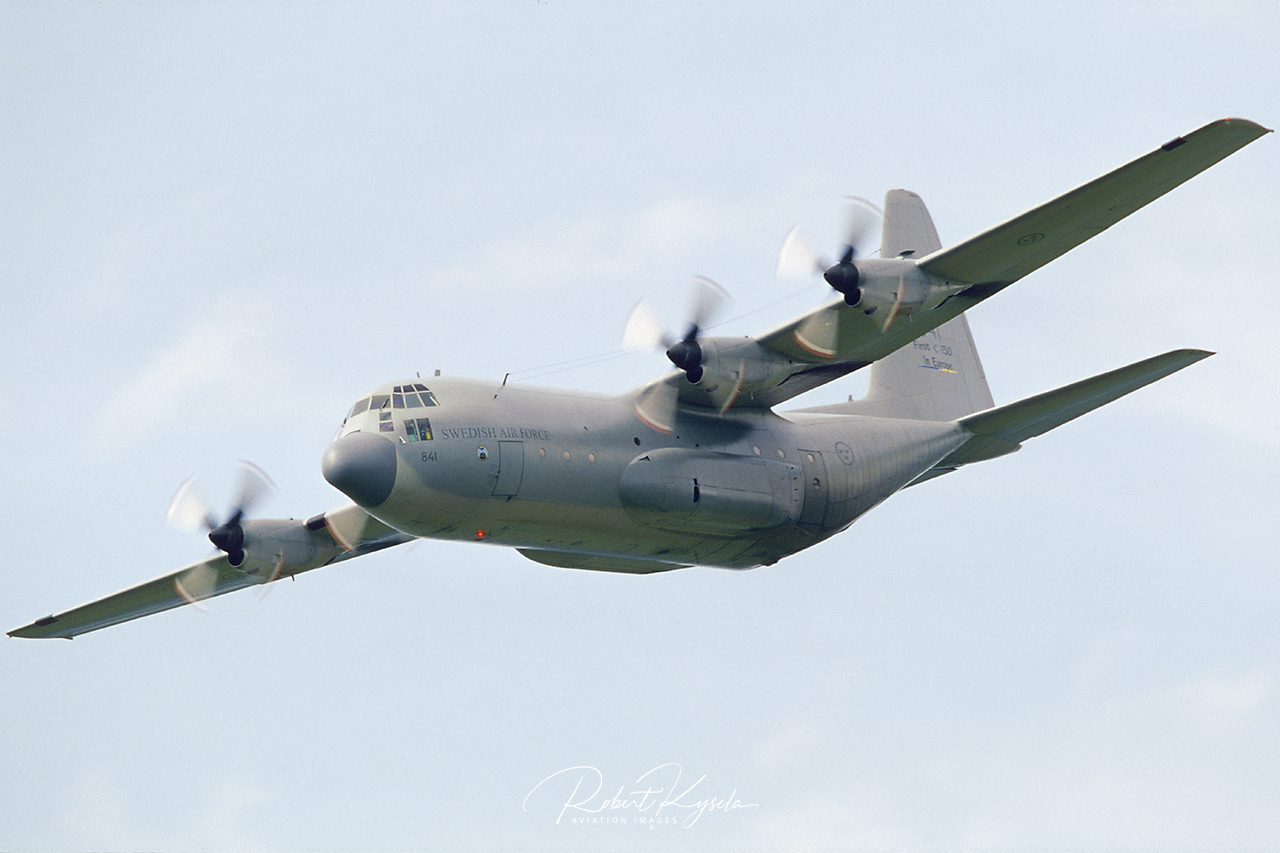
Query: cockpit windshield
[
  {"x": 393, "y": 412},
  {"x": 415, "y": 396}
]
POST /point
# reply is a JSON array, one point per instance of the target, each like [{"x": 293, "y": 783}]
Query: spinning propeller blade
[
  {"x": 656, "y": 406},
  {"x": 797, "y": 258},
  {"x": 189, "y": 511}
]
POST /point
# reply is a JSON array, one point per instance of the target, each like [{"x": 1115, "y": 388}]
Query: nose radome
[{"x": 362, "y": 466}]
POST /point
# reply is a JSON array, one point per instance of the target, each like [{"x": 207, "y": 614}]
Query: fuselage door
[
  {"x": 510, "y": 469},
  {"x": 814, "y": 509}
]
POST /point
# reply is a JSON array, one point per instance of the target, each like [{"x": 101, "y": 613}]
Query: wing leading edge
[
  {"x": 1009, "y": 251},
  {"x": 333, "y": 537}
]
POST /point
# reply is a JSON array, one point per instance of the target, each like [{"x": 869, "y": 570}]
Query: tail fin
[{"x": 937, "y": 377}]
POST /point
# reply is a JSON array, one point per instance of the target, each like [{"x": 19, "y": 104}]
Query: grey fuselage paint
[{"x": 578, "y": 473}]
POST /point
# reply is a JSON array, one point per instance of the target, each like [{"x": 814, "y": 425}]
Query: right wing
[{"x": 329, "y": 538}]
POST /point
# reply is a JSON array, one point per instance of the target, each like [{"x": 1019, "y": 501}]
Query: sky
[{"x": 222, "y": 223}]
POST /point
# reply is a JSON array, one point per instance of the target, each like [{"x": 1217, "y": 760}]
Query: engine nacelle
[
  {"x": 704, "y": 491},
  {"x": 899, "y": 285},
  {"x": 272, "y": 545},
  {"x": 731, "y": 367}
]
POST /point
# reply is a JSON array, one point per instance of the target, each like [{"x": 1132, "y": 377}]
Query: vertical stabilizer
[
  {"x": 908, "y": 229},
  {"x": 938, "y": 376}
]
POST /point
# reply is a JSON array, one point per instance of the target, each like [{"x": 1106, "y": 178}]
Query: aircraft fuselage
[{"x": 566, "y": 476}]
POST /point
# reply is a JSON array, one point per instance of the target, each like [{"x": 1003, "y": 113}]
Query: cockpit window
[{"x": 413, "y": 396}]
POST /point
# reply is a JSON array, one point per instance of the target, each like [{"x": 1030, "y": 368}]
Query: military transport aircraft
[{"x": 696, "y": 467}]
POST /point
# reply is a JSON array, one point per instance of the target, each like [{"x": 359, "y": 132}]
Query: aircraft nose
[{"x": 362, "y": 466}]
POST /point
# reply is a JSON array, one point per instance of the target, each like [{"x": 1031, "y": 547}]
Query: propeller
[
  {"x": 821, "y": 332},
  {"x": 189, "y": 511},
  {"x": 644, "y": 329},
  {"x": 797, "y": 257},
  {"x": 657, "y": 404}
]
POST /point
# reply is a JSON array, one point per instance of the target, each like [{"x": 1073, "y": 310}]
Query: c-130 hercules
[{"x": 696, "y": 467}]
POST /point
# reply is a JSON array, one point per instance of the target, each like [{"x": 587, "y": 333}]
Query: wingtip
[
  {"x": 34, "y": 630},
  {"x": 1253, "y": 125}
]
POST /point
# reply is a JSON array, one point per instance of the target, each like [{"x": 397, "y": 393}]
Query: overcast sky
[{"x": 221, "y": 224}]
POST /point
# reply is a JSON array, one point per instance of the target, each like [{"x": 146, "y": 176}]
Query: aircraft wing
[
  {"x": 1005, "y": 253},
  {"x": 984, "y": 264},
  {"x": 329, "y": 538}
]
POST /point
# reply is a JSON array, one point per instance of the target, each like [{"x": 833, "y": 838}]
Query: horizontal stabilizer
[{"x": 1003, "y": 429}]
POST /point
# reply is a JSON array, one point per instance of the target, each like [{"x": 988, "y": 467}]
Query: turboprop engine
[
  {"x": 889, "y": 287},
  {"x": 271, "y": 544},
  {"x": 731, "y": 366}
]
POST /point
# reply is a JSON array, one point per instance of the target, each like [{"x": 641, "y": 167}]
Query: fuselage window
[
  {"x": 424, "y": 429},
  {"x": 411, "y": 430}
]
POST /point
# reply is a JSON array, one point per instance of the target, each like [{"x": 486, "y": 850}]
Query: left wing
[
  {"x": 1009, "y": 251},
  {"x": 286, "y": 547},
  {"x": 918, "y": 285}
]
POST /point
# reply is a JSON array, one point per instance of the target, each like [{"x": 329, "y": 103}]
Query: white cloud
[
  {"x": 791, "y": 744},
  {"x": 223, "y": 358},
  {"x": 1230, "y": 703}
]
